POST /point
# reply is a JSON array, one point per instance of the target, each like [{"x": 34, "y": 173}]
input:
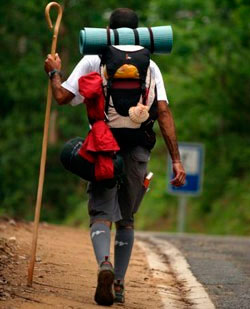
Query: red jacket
[{"x": 100, "y": 145}]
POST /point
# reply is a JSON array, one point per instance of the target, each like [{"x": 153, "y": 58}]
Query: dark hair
[{"x": 123, "y": 17}]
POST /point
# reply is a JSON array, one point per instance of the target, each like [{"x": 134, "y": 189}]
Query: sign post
[
  {"x": 192, "y": 157},
  {"x": 182, "y": 209}
]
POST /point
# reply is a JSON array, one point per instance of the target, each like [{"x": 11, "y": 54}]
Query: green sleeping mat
[{"x": 157, "y": 39}]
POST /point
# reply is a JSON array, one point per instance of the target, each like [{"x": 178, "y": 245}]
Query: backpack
[{"x": 127, "y": 81}]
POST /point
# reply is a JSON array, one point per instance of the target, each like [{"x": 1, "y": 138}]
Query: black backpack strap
[
  {"x": 116, "y": 35},
  {"x": 143, "y": 92},
  {"x": 107, "y": 98},
  {"x": 106, "y": 90},
  {"x": 108, "y": 36},
  {"x": 136, "y": 34},
  {"x": 145, "y": 87},
  {"x": 152, "y": 43}
]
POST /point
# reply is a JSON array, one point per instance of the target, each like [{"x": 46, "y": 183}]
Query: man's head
[{"x": 123, "y": 17}]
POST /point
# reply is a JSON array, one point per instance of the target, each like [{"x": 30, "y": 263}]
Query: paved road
[{"x": 221, "y": 264}]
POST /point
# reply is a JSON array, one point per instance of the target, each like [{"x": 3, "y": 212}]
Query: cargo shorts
[{"x": 120, "y": 203}]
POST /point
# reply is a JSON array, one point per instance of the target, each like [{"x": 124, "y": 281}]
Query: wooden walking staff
[{"x": 45, "y": 140}]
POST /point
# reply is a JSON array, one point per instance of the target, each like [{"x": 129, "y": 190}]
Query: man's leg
[
  {"x": 124, "y": 240},
  {"x": 130, "y": 195},
  {"x": 103, "y": 209},
  {"x": 100, "y": 237}
]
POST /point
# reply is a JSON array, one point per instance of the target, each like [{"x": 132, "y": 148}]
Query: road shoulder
[
  {"x": 65, "y": 271},
  {"x": 178, "y": 287}
]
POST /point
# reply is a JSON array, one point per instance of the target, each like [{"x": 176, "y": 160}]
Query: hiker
[{"x": 132, "y": 129}]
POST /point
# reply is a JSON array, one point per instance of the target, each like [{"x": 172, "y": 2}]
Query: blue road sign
[{"x": 192, "y": 157}]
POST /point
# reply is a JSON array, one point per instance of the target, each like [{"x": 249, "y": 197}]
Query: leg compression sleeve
[
  {"x": 100, "y": 236},
  {"x": 124, "y": 241}
]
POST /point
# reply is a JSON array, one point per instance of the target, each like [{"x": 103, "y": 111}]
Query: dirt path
[{"x": 65, "y": 272}]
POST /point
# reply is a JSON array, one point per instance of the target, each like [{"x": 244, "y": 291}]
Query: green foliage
[{"x": 207, "y": 80}]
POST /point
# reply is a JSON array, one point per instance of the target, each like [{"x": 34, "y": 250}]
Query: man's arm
[
  {"x": 166, "y": 123},
  {"x": 61, "y": 95}
]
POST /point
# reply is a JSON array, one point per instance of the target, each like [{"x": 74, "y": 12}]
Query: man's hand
[
  {"x": 180, "y": 175},
  {"x": 51, "y": 63},
  {"x": 61, "y": 95},
  {"x": 166, "y": 123}
]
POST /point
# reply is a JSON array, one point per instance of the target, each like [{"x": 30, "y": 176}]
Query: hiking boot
[
  {"x": 104, "y": 292},
  {"x": 119, "y": 292}
]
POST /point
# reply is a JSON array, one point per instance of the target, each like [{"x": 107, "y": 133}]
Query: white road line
[
  {"x": 160, "y": 271},
  {"x": 194, "y": 291}
]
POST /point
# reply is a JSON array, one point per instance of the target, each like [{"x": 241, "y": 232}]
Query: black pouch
[
  {"x": 74, "y": 163},
  {"x": 123, "y": 99},
  {"x": 128, "y": 138},
  {"x": 81, "y": 167}
]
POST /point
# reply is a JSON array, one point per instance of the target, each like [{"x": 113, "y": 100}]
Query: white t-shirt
[{"x": 92, "y": 64}]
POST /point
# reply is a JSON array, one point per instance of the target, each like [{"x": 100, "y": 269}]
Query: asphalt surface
[{"x": 221, "y": 264}]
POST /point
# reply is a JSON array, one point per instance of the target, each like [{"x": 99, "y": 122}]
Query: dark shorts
[{"x": 120, "y": 203}]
